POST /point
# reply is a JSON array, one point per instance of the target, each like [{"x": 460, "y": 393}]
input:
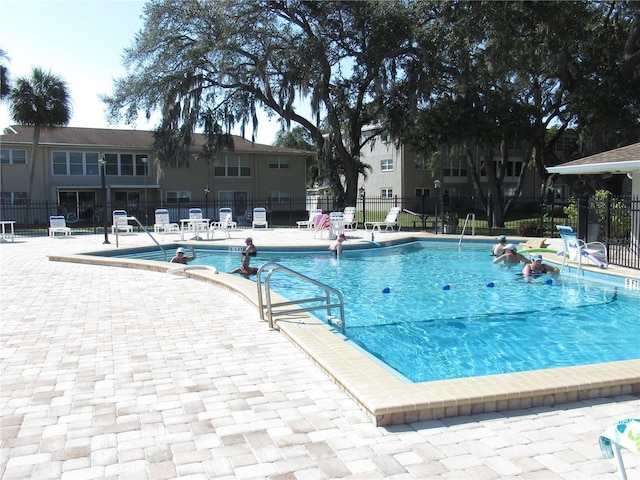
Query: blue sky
[{"x": 82, "y": 41}]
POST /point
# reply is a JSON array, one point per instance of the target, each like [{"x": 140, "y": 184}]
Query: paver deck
[{"x": 116, "y": 373}]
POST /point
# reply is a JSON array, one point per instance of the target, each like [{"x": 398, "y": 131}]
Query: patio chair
[
  {"x": 349, "y": 219},
  {"x": 310, "y": 223},
  {"x": 322, "y": 225},
  {"x": 197, "y": 226},
  {"x": 336, "y": 224},
  {"x": 577, "y": 250},
  {"x": 259, "y": 218},
  {"x": 163, "y": 224},
  {"x": 225, "y": 222},
  {"x": 58, "y": 224},
  {"x": 120, "y": 222},
  {"x": 390, "y": 221}
]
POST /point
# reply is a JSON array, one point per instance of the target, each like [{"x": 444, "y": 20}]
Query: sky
[{"x": 82, "y": 41}]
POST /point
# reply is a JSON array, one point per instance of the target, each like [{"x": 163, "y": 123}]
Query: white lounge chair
[
  {"x": 197, "y": 223},
  {"x": 390, "y": 222},
  {"x": 58, "y": 224},
  {"x": 163, "y": 223},
  {"x": 309, "y": 224},
  {"x": 336, "y": 224},
  {"x": 259, "y": 218},
  {"x": 350, "y": 222},
  {"x": 225, "y": 222},
  {"x": 120, "y": 222},
  {"x": 577, "y": 250}
]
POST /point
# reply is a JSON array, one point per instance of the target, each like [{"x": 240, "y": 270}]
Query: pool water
[{"x": 433, "y": 312}]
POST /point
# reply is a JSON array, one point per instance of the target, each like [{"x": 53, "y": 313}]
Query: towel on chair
[{"x": 625, "y": 433}]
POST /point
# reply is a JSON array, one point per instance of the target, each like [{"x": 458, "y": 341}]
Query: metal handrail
[
  {"x": 268, "y": 309},
  {"x": 464, "y": 227},
  {"x": 164, "y": 252}
]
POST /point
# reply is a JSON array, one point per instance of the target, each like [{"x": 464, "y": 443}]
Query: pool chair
[
  {"x": 623, "y": 434},
  {"x": 162, "y": 223},
  {"x": 259, "y": 218},
  {"x": 120, "y": 222},
  {"x": 322, "y": 226},
  {"x": 58, "y": 224},
  {"x": 310, "y": 223},
  {"x": 349, "y": 219},
  {"x": 390, "y": 222},
  {"x": 195, "y": 223},
  {"x": 577, "y": 250},
  {"x": 225, "y": 222}
]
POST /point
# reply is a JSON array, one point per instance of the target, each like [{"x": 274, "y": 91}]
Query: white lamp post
[{"x": 145, "y": 162}]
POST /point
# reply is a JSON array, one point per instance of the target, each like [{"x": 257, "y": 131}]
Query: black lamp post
[
  {"x": 103, "y": 166},
  {"x": 362, "y": 196},
  {"x": 145, "y": 162},
  {"x": 206, "y": 201},
  {"x": 436, "y": 184}
]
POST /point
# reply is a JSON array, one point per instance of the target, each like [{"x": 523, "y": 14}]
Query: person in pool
[
  {"x": 536, "y": 267},
  {"x": 250, "y": 251},
  {"x": 180, "y": 257},
  {"x": 511, "y": 256},
  {"x": 336, "y": 245},
  {"x": 498, "y": 248}
]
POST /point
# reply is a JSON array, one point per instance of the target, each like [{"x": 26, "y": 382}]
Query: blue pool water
[{"x": 487, "y": 320}]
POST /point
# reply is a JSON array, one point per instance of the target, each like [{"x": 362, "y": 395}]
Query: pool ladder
[
  {"x": 471, "y": 216},
  {"x": 270, "y": 309}
]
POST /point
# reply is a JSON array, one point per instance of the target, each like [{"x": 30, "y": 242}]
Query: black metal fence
[{"x": 609, "y": 220}]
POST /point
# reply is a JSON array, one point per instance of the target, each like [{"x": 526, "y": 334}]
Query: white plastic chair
[
  {"x": 259, "y": 218},
  {"x": 390, "y": 222},
  {"x": 577, "y": 250},
  {"x": 163, "y": 223},
  {"x": 58, "y": 224},
  {"x": 349, "y": 219},
  {"x": 310, "y": 223},
  {"x": 120, "y": 222}
]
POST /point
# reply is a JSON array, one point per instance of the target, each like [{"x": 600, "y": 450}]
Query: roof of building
[
  {"x": 621, "y": 160},
  {"x": 106, "y": 137}
]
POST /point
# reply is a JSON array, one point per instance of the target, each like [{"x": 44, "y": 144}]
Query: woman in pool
[
  {"x": 511, "y": 256},
  {"x": 498, "y": 248},
  {"x": 250, "y": 251},
  {"x": 536, "y": 267},
  {"x": 180, "y": 257}
]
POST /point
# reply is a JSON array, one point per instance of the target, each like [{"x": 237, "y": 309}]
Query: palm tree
[
  {"x": 41, "y": 101},
  {"x": 5, "y": 88}
]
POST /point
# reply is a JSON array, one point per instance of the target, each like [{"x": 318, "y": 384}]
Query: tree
[
  {"x": 43, "y": 102},
  {"x": 5, "y": 87},
  {"x": 227, "y": 59}
]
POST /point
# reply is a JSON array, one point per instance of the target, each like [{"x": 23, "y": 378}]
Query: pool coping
[{"x": 386, "y": 397}]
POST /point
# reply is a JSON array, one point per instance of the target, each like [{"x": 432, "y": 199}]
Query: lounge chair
[
  {"x": 310, "y": 223},
  {"x": 336, "y": 224},
  {"x": 349, "y": 219},
  {"x": 120, "y": 222},
  {"x": 259, "y": 218},
  {"x": 163, "y": 224},
  {"x": 577, "y": 250},
  {"x": 322, "y": 226},
  {"x": 225, "y": 222},
  {"x": 390, "y": 222},
  {"x": 58, "y": 224}
]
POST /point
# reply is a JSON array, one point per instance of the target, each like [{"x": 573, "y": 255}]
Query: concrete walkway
[{"x": 126, "y": 374}]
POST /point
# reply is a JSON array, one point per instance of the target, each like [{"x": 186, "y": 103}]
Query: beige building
[{"x": 69, "y": 173}]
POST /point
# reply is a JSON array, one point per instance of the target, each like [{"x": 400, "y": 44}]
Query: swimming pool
[{"x": 427, "y": 332}]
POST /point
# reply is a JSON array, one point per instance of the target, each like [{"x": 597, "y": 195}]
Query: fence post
[{"x": 583, "y": 217}]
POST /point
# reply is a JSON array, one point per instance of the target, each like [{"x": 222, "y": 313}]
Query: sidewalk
[{"x": 117, "y": 373}]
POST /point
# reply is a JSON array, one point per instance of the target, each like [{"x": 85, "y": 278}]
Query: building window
[
  {"x": 279, "y": 163},
  {"x": 421, "y": 163},
  {"x": 386, "y": 192},
  {"x": 232, "y": 167},
  {"x": 13, "y": 157},
  {"x": 13, "y": 198},
  {"x": 279, "y": 196},
  {"x": 86, "y": 164},
  {"x": 420, "y": 192},
  {"x": 175, "y": 198},
  {"x": 386, "y": 165},
  {"x": 455, "y": 167}
]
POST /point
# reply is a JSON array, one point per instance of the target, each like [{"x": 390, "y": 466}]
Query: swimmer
[{"x": 536, "y": 267}]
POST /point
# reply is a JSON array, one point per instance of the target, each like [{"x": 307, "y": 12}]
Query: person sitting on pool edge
[
  {"x": 336, "y": 245},
  {"x": 511, "y": 256},
  {"x": 498, "y": 248},
  {"x": 180, "y": 257},
  {"x": 536, "y": 267}
]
